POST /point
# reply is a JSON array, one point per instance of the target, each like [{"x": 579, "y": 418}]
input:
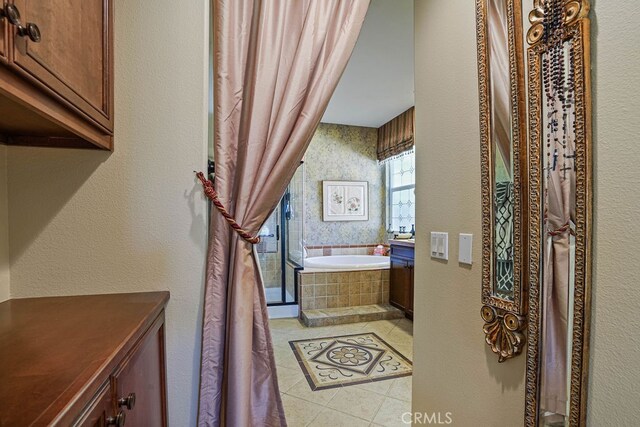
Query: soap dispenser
[{"x": 413, "y": 231}]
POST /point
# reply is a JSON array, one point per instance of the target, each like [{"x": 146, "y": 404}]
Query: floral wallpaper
[{"x": 343, "y": 153}]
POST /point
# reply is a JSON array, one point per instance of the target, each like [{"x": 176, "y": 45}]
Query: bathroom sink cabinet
[
  {"x": 401, "y": 277},
  {"x": 83, "y": 361},
  {"x": 57, "y": 91}
]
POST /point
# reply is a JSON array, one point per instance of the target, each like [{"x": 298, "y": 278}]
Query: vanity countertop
[
  {"x": 403, "y": 242},
  {"x": 55, "y": 351}
]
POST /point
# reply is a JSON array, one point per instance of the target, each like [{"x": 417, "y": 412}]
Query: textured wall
[
  {"x": 4, "y": 227},
  {"x": 613, "y": 383},
  {"x": 343, "y": 153},
  {"x": 455, "y": 371},
  {"x": 89, "y": 222}
]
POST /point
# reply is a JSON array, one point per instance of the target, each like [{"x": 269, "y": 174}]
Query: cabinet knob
[
  {"x": 30, "y": 30},
  {"x": 117, "y": 421},
  {"x": 129, "y": 402}
]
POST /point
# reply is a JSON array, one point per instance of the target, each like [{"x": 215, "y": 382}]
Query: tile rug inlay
[{"x": 348, "y": 360}]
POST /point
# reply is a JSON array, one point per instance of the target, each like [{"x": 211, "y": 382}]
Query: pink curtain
[
  {"x": 276, "y": 66},
  {"x": 500, "y": 80},
  {"x": 558, "y": 268}
]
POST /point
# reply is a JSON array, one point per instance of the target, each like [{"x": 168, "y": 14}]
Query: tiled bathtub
[{"x": 321, "y": 290}]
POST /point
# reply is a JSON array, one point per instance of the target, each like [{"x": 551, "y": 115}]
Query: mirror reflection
[
  {"x": 501, "y": 148},
  {"x": 558, "y": 245}
]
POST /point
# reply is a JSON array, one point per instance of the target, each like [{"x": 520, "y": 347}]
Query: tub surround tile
[
  {"x": 329, "y": 250},
  {"x": 321, "y": 302},
  {"x": 332, "y": 289},
  {"x": 343, "y": 300},
  {"x": 320, "y": 290},
  {"x": 307, "y": 279},
  {"x": 332, "y": 302},
  {"x": 385, "y": 286},
  {"x": 343, "y": 289},
  {"x": 354, "y": 288},
  {"x": 354, "y": 300},
  {"x": 333, "y": 278},
  {"x": 350, "y": 314}
]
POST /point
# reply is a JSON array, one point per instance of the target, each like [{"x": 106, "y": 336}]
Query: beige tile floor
[{"x": 380, "y": 403}]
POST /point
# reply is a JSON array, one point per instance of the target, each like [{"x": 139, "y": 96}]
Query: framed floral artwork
[{"x": 345, "y": 200}]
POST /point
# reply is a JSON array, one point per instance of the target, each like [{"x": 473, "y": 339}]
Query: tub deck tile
[{"x": 342, "y": 315}]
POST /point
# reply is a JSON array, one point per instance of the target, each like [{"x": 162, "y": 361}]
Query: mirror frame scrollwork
[
  {"x": 505, "y": 320},
  {"x": 576, "y": 27}
]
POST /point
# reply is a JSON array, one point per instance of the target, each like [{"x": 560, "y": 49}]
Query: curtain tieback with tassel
[
  {"x": 211, "y": 193},
  {"x": 561, "y": 230}
]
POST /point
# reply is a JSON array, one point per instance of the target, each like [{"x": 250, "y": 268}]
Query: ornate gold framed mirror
[
  {"x": 503, "y": 167},
  {"x": 560, "y": 213}
]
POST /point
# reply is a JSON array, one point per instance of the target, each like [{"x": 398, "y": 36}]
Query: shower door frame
[{"x": 284, "y": 259}]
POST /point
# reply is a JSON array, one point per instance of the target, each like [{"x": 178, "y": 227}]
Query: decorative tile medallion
[{"x": 348, "y": 360}]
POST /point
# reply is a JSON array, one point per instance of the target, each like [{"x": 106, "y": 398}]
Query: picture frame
[{"x": 345, "y": 201}]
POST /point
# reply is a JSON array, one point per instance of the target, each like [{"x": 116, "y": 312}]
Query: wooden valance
[{"x": 396, "y": 136}]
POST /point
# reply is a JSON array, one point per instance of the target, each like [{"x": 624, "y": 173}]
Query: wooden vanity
[
  {"x": 402, "y": 255},
  {"x": 94, "y": 360},
  {"x": 56, "y": 73}
]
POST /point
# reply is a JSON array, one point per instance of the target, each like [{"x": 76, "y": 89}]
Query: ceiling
[{"x": 377, "y": 84}]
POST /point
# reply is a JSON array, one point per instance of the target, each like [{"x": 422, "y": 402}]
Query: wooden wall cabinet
[
  {"x": 89, "y": 361},
  {"x": 3, "y": 38},
  {"x": 401, "y": 278},
  {"x": 58, "y": 91}
]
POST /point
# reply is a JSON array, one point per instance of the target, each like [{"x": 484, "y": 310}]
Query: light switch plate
[
  {"x": 465, "y": 248},
  {"x": 440, "y": 245}
]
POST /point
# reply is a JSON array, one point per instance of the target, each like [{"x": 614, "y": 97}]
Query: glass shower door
[
  {"x": 270, "y": 256},
  {"x": 280, "y": 249}
]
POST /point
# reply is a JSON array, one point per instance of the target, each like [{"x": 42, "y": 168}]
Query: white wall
[
  {"x": 454, "y": 369},
  {"x": 377, "y": 84},
  {"x": 614, "y": 375},
  {"x": 4, "y": 228},
  {"x": 89, "y": 222}
]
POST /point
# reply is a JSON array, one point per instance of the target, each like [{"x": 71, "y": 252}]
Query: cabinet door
[
  {"x": 73, "y": 58},
  {"x": 399, "y": 284},
  {"x": 99, "y": 409},
  {"x": 143, "y": 375},
  {"x": 3, "y": 38},
  {"x": 409, "y": 310}
]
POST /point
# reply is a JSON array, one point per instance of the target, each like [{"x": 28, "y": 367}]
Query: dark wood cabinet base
[
  {"x": 79, "y": 360},
  {"x": 401, "y": 278}
]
